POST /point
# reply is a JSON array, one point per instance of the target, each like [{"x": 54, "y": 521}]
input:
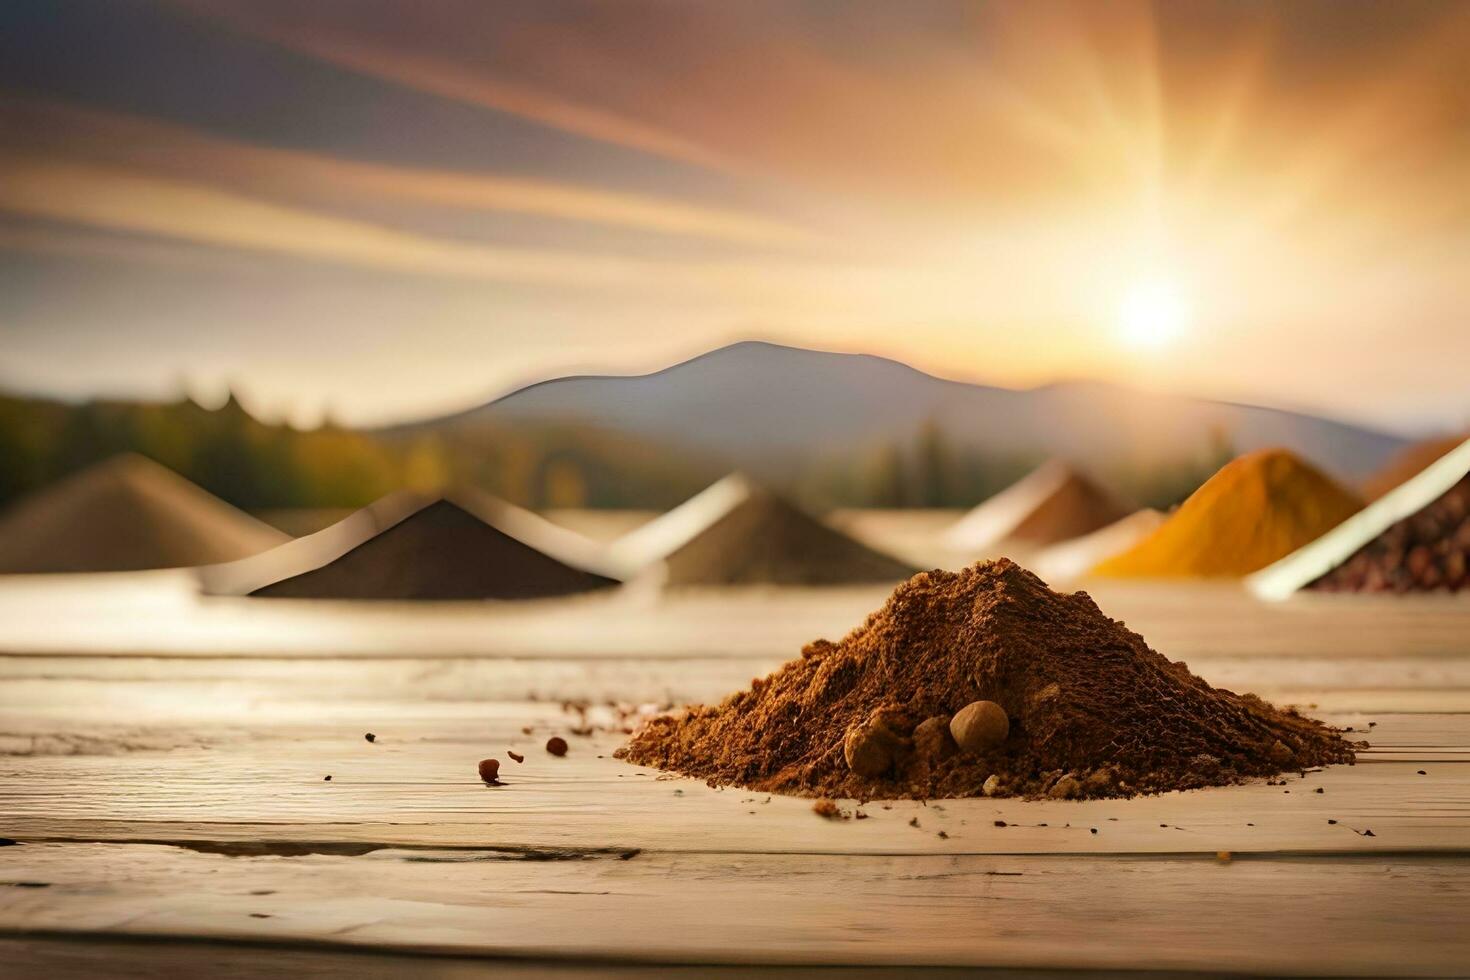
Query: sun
[{"x": 1153, "y": 314}]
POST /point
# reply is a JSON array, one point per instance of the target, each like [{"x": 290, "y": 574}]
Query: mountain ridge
[{"x": 760, "y": 405}]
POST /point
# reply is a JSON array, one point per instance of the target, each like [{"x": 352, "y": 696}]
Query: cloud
[
  {"x": 172, "y": 150},
  {"x": 118, "y": 199},
  {"x": 385, "y": 56}
]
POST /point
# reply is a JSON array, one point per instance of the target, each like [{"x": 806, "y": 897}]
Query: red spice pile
[{"x": 1093, "y": 711}]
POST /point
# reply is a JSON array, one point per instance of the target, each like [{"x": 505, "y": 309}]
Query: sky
[{"x": 381, "y": 210}]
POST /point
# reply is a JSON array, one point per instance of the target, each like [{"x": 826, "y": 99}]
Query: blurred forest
[{"x": 261, "y": 467}]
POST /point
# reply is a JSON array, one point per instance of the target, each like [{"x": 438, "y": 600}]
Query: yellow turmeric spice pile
[{"x": 1259, "y": 508}]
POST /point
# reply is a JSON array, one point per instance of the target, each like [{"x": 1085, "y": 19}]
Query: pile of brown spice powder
[{"x": 1093, "y": 711}]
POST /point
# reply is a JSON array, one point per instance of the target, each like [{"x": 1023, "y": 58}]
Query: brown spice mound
[
  {"x": 1093, "y": 711},
  {"x": 766, "y": 540}
]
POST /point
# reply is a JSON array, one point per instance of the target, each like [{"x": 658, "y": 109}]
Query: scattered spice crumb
[
  {"x": 1223, "y": 857},
  {"x": 1320, "y": 789},
  {"x": 942, "y": 835},
  {"x": 371, "y": 737},
  {"x": 326, "y": 779},
  {"x": 914, "y": 822},
  {"x": 556, "y": 745},
  {"x": 1000, "y": 823},
  {"x": 1250, "y": 825},
  {"x": 259, "y": 915},
  {"x": 828, "y": 810},
  {"x": 678, "y": 792},
  {"x": 1423, "y": 773},
  {"x": 1369, "y": 833},
  {"x": 1330, "y": 820},
  {"x": 489, "y": 770},
  {"x": 515, "y": 755},
  {"x": 1093, "y": 829},
  {"x": 526, "y": 730},
  {"x": 860, "y": 815}
]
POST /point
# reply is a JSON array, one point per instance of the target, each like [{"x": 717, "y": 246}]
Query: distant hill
[
  {"x": 768, "y": 408},
  {"x": 833, "y": 430}
]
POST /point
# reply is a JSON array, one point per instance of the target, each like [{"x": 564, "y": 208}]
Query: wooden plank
[
  {"x": 247, "y": 743},
  {"x": 121, "y": 958},
  {"x": 159, "y": 613},
  {"x": 1358, "y": 916},
  {"x": 248, "y": 689},
  {"x": 404, "y": 849},
  {"x": 119, "y": 713},
  {"x": 416, "y": 786}
]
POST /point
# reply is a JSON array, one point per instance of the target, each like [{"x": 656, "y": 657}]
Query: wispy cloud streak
[{"x": 175, "y": 150}]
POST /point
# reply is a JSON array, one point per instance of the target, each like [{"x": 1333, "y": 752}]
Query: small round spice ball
[
  {"x": 868, "y": 750},
  {"x": 556, "y": 745},
  {"x": 489, "y": 770},
  {"x": 979, "y": 725},
  {"x": 932, "y": 742}
]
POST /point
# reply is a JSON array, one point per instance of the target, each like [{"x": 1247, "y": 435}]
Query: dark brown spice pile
[
  {"x": 766, "y": 540},
  {"x": 1093, "y": 711},
  {"x": 1425, "y": 552}
]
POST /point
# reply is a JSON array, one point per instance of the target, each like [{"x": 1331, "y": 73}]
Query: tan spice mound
[
  {"x": 1093, "y": 711},
  {"x": 1257, "y": 509},
  {"x": 126, "y": 514}
]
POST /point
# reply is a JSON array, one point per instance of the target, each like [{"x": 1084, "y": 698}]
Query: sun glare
[{"x": 1153, "y": 314}]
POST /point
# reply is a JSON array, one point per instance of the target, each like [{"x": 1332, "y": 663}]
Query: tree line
[{"x": 260, "y": 466}]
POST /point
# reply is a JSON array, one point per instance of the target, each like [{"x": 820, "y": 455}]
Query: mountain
[{"x": 768, "y": 408}]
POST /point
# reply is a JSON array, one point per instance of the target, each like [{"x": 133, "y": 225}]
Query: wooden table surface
[{"x": 162, "y": 764}]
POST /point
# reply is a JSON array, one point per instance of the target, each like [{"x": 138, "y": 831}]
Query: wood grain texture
[
  {"x": 161, "y": 614},
  {"x": 416, "y": 785},
  {"x": 163, "y": 767},
  {"x": 1344, "y": 916}
]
